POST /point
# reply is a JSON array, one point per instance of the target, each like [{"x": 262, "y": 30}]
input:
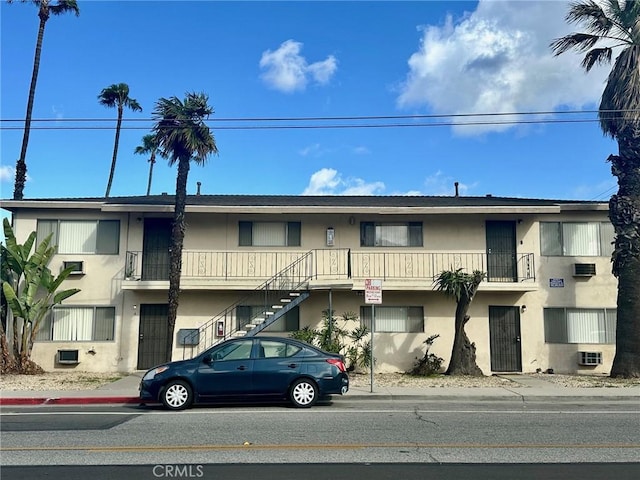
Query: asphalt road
[{"x": 412, "y": 439}]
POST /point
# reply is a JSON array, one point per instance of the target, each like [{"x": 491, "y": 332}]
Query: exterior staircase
[{"x": 268, "y": 302}]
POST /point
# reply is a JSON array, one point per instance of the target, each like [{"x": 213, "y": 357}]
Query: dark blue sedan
[{"x": 248, "y": 368}]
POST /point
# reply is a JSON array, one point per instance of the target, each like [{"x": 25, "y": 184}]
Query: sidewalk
[{"x": 523, "y": 388}]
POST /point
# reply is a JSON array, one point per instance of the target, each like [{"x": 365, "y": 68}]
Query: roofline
[{"x": 141, "y": 204}]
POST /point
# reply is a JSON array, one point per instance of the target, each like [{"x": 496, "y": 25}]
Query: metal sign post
[{"x": 373, "y": 297}]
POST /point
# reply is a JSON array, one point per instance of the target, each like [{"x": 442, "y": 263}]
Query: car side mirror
[{"x": 208, "y": 359}]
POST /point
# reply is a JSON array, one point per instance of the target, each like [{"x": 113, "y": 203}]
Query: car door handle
[
  {"x": 242, "y": 367},
  {"x": 293, "y": 365}
]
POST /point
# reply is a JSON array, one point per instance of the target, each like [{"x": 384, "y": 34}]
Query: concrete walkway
[{"x": 521, "y": 388}]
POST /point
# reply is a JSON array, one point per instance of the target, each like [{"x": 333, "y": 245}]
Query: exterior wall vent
[
  {"x": 67, "y": 357},
  {"x": 589, "y": 358},
  {"x": 584, "y": 269}
]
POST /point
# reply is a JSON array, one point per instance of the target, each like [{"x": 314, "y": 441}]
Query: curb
[{"x": 68, "y": 400}]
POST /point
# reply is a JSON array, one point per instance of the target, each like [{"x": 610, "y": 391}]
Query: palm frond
[
  {"x": 620, "y": 104},
  {"x": 64, "y": 6},
  {"x": 591, "y": 15},
  {"x": 597, "y": 56},
  {"x": 574, "y": 41}
]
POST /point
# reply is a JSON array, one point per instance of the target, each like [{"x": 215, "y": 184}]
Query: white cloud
[
  {"x": 6, "y": 173},
  {"x": 287, "y": 71},
  {"x": 497, "y": 59},
  {"x": 361, "y": 150},
  {"x": 328, "y": 181}
]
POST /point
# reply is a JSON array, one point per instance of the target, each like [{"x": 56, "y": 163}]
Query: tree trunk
[
  {"x": 175, "y": 254},
  {"x": 115, "y": 151},
  {"x": 463, "y": 353},
  {"x": 624, "y": 213},
  {"x": 21, "y": 164},
  {"x": 152, "y": 160}
]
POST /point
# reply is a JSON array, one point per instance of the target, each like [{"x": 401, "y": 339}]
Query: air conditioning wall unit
[
  {"x": 78, "y": 266},
  {"x": 590, "y": 358},
  {"x": 584, "y": 269},
  {"x": 67, "y": 357}
]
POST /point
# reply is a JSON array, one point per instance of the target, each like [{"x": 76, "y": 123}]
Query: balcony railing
[{"x": 331, "y": 263}]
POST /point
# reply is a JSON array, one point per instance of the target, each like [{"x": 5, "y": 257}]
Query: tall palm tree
[
  {"x": 183, "y": 137},
  {"x": 117, "y": 95},
  {"x": 462, "y": 287},
  {"x": 610, "y": 25},
  {"x": 45, "y": 10},
  {"x": 149, "y": 147}
]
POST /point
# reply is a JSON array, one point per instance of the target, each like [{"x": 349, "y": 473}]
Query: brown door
[
  {"x": 152, "y": 337},
  {"x": 504, "y": 337},
  {"x": 501, "y": 251}
]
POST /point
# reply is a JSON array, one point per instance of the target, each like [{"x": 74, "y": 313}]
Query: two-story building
[{"x": 277, "y": 262}]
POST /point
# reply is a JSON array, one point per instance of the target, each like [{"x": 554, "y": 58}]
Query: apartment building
[{"x": 273, "y": 264}]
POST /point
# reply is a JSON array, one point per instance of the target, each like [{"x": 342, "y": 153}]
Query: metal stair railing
[{"x": 277, "y": 296}]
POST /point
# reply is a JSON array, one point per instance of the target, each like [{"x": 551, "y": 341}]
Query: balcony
[{"x": 335, "y": 268}]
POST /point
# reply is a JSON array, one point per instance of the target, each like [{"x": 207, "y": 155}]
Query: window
[
  {"x": 576, "y": 239},
  {"x": 275, "y": 349},
  {"x": 579, "y": 325},
  {"x": 394, "y": 319},
  {"x": 269, "y": 234},
  {"x": 82, "y": 236},
  {"x": 77, "y": 324},
  {"x": 289, "y": 322},
  {"x": 391, "y": 234},
  {"x": 240, "y": 350}
]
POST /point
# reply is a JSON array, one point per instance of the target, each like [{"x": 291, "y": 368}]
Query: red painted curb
[{"x": 68, "y": 400}]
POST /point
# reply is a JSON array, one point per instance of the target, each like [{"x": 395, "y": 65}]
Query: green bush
[{"x": 354, "y": 344}]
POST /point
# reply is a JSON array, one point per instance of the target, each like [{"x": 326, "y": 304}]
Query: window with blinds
[
  {"x": 580, "y": 325},
  {"x": 269, "y": 234},
  {"x": 77, "y": 324},
  {"x": 390, "y": 234},
  {"x": 81, "y": 236},
  {"x": 394, "y": 319},
  {"x": 587, "y": 239}
]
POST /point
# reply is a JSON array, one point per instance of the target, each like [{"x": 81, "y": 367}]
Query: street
[{"x": 407, "y": 434}]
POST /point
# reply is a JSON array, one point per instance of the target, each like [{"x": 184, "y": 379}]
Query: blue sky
[{"x": 310, "y": 59}]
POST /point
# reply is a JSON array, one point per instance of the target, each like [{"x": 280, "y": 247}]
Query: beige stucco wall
[{"x": 101, "y": 285}]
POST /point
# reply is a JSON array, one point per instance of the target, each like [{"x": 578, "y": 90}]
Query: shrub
[{"x": 430, "y": 364}]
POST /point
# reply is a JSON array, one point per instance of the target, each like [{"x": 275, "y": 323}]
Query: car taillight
[{"x": 338, "y": 363}]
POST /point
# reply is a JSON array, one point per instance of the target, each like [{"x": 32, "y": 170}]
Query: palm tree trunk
[
  {"x": 115, "y": 151},
  {"x": 21, "y": 164},
  {"x": 175, "y": 253},
  {"x": 463, "y": 353},
  {"x": 624, "y": 212},
  {"x": 152, "y": 160}
]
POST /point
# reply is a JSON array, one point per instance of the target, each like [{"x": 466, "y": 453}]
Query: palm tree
[
  {"x": 613, "y": 24},
  {"x": 117, "y": 95},
  {"x": 45, "y": 10},
  {"x": 462, "y": 287},
  {"x": 149, "y": 147},
  {"x": 182, "y": 137}
]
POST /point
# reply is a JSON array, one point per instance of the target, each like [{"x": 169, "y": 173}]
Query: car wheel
[
  {"x": 177, "y": 395},
  {"x": 303, "y": 393}
]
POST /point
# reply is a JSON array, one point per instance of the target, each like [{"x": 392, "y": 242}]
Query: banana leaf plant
[{"x": 30, "y": 290}]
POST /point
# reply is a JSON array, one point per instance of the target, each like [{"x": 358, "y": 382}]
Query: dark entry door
[
  {"x": 152, "y": 337},
  {"x": 504, "y": 334},
  {"x": 155, "y": 249},
  {"x": 501, "y": 251}
]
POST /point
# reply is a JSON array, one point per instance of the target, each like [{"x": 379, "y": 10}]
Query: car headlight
[{"x": 154, "y": 371}]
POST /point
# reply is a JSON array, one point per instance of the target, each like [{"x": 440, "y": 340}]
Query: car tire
[
  {"x": 177, "y": 395},
  {"x": 303, "y": 393}
]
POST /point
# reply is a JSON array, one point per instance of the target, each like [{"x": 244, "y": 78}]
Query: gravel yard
[{"x": 90, "y": 381}]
